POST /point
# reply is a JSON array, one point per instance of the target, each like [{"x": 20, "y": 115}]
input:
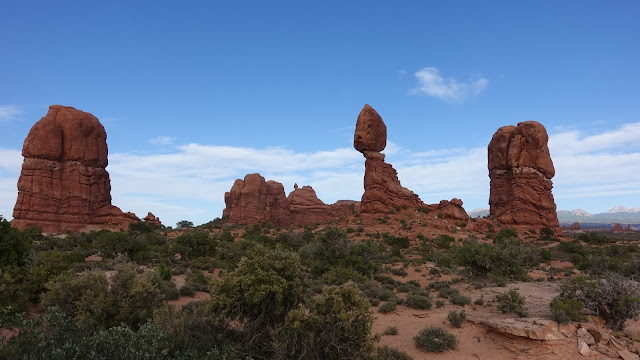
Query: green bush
[
  {"x": 389, "y": 353},
  {"x": 387, "y": 307},
  {"x": 130, "y": 298},
  {"x": 457, "y": 318},
  {"x": 56, "y": 336},
  {"x": 188, "y": 290},
  {"x": 391, "y": 330},
  {"x": 460, "y": 300},
  {"x": 439, "y": 304},
  {"x": 566, "y": 310},
  {"x": 512, "y": 302},
  {"x": 266, "y": 285},
  {"x": 336, "y": 325},
  {"x": 613, "y": 297},
  {"x": 165, "y": 272},
  {"x": 194, "y": 244},
  {"x": 435, "y": 339},
  {"x": 14, "y": 245},
  {"x": 418, "y": 302}
]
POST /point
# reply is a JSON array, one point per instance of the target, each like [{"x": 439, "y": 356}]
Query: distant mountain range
[{"x": 618, "y": 214}]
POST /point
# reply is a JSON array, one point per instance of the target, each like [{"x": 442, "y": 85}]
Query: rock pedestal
[
  {"x": 63, "y": 185},
  {"x": 520, "y": 169}
]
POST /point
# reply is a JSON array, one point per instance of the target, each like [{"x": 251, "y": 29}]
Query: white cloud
[
  {"x": 162, "y": 140},
  {"x": 431, "y": 83},
  {"x": 190, "y": 182},
  {"x": 9, "y": 112}
]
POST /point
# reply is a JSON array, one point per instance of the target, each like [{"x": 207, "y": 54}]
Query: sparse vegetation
[
  {"x": 512, "y": 302},
  {"x": 457, "y": 318},
  {"x": 435, "y": 339}
]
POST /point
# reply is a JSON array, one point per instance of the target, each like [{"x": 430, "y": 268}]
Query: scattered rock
[
  {"x": 628, "y": 355},
  {"x": 64, "y": 184},
  {"x": 585, "y": 336},
  {"x": 520, "y": 169},
  {"x": 583, "y": 348}
]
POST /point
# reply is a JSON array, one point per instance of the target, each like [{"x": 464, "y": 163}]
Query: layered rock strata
[
  {"x": 255, "y": 200},
  {"x": 382, "y": 188},
  {"x": 520, "y": 170},
  {"x": 64, "y": 184}
]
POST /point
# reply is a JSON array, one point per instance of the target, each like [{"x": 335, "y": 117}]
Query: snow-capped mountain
[
  {"x": 622, "y": 209},
  {"x": 618, "y": 214}
]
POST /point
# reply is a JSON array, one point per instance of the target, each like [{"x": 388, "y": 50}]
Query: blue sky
[{"x": 196, "y": 94}]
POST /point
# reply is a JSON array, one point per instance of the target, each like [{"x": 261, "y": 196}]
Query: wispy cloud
[
  {"x": 9, "y": 112},
  {"x": 162, "y": 140},
  {"x": 432, "y": 83}
]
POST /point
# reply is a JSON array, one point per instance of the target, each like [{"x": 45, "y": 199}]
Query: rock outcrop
[
  {"x": 307, "y": 209},
  {"x": 520, "y": 169},
  {"x": 255, "y": 200},
  {"x": 382, "y": 188},
  {"x": 64, "y": 184},
  {"x": 152, "y": 219}
]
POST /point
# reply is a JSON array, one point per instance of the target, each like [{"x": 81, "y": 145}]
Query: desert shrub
[
  {"x": 332, "y": 248},
  {"x": 198, "y": 280},
  {"x": 546, "y": 233},
  {"x": 437, "y": 285},
  {"x": 340, "y": 275},
  {"x": 389, "y": 353},
  {"x": 336, "y": 325},
  {"x": 566, "y": 310},
  {"x": 508, "y": 256},
  {"x": 446, "y": 292},
  {"x": 111, "y": 244},
  {"x": 194, "y": 244},
  {"x": 165, "y": 272},
  {"x": 374, "y": 301},
  {"x": 130, "y": 299},
  {"x": 594, "y": 238},
  {"x": 613, "y": 297},
  {"x": 439, "y": 304},
  {"x": 187, "y": 290},
  {"x": 444, "y": 241},
  {"x": 435, "y": 339},
  {"x": 418, "y": 302},
  {"x": 398, "y": 272},
  {"x": 266, "y": 285},
  {"x": 478, "y": 302},
  {"x": 401, "y": 242},
  {"x": 512, "y": 302},
  {"x": 14, "y": 245},
  {"x": 57, "y": 336},
  {"x": 391, "y": 330},
  {"x": 457, "y": 318},
  {"x": 387, "y": 307},
  {"x": 384, "y": 279},
  {"x": 458, "y": 299}
]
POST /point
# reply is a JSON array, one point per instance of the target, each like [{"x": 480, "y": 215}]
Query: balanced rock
[
  {"x": 254, "y": 200},
  {"x": 371, "y": 132},
  {"x": 520, "y": 169},
  {"x": 63, "y": 185}
]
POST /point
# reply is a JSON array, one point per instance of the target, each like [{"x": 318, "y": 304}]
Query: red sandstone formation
[
  {"x": 520, "y": 169},
  {"x": 617, "y": 227},
  {"x": 307, "y": 209},
  {"x": 371, "y": 132},
  {"x": 63, "y": 185},
  {"x": 450, "y": 209},
  {"x": 152, "y": 219},
  {"x": 254, "y": 200},
  {"x": 382, "y": 189}
]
